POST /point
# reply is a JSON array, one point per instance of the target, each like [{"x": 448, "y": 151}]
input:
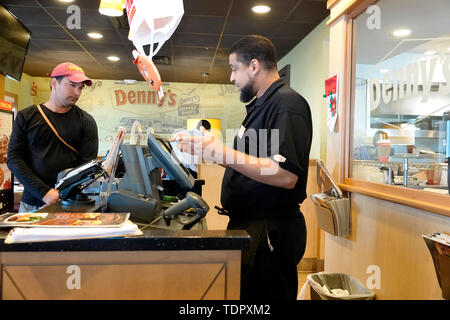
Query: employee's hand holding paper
[{"x": 207, "y": 146}]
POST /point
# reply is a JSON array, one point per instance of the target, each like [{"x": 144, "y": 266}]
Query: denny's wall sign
[{"x": 123, "y": 97}]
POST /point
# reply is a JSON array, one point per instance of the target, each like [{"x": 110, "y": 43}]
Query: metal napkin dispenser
[{"x": 332, "y": 207}]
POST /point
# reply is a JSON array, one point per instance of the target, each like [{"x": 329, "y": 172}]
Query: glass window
[{"x": 401, "y": 80}]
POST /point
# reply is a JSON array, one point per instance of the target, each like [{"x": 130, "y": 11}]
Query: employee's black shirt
[
  {"x": 280, "y": 107},
  {"x": 36, "y": 155}
]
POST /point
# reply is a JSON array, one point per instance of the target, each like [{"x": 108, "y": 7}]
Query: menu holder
[{"x": 332, "y": 207}]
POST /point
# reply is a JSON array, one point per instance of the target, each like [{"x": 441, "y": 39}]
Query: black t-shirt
[
  {"x": 279, "y": 118},
  {"x": 36, "y": 155}
]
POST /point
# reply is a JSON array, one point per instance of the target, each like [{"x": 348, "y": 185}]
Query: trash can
[
  {"x": 439, "y": 246},
  {"x": 331, "y": 281}
]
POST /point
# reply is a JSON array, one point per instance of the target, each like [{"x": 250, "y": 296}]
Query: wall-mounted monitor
[{"x": 14, "y": 41}]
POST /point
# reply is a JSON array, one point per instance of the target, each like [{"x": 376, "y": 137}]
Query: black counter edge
[{"x": 150, "y": 241}]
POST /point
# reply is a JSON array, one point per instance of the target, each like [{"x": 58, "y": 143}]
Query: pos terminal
[{"x": 143, "y": 192}]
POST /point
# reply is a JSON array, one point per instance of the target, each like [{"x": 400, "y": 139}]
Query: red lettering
[
  {"x": 121, "y": 97},
  {"x": 34, "y": 90},
  {"x": 172, "y": 99},
  {"x": 141, "y": 97},
  {"x": 151, "y": 97},
  {"x": 161, "y": 102},
  {"x": 132, "y": 97},
  {"x": 144, "y": 97}
]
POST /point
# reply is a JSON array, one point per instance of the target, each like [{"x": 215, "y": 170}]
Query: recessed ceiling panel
[
  {"x": 200, "y": 24},
  {"x": 243, "y": 27},
  {"x": 190, "y": 51},
  {"x": 206, "y": 8},
  {"x": 310, "y": 12}
]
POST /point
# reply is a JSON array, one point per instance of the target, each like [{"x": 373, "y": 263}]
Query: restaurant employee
[{"x": 266, "y": 170}]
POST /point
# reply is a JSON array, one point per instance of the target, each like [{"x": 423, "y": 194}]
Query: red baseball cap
[{"x": 71, "y": 71}]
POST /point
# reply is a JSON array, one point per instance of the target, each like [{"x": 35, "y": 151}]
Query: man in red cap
[{"x": 51, "y": 137}]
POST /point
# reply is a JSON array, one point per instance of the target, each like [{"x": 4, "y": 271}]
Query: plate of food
[
  {"x": 27, "y": 217},
  {"x": 63, "y": 219}
]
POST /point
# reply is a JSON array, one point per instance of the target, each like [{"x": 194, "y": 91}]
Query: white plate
[{"x": 13, "y": 218}]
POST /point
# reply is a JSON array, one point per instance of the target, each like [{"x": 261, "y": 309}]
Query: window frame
[{"x": 419, "y": 199}]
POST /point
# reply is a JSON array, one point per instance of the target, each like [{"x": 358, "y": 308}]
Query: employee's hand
[
  {"x": 51, "y": 197},
  {"x": 184, "y": 142},
  {"x": 207, "y": 147}
]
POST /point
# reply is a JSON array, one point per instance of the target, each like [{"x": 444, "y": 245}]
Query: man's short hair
[
  {"x": 256, "y": 47},
  {"x": 58, "y": 78},
  {"x": 205, "y": 124}
]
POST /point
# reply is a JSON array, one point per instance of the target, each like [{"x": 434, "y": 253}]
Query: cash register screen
[{"x": 162, "y": 151}]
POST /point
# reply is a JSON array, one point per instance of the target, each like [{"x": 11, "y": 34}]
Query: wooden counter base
[{"x": 159, "y": 275}]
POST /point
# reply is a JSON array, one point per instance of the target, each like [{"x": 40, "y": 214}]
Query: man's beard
[{"x": 247, "y": 93}]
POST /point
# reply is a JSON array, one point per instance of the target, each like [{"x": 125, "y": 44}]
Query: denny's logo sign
[{"x": 137, "y": 97}]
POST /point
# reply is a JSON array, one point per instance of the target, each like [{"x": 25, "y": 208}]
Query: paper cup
[{"x": 383, "y": 150}]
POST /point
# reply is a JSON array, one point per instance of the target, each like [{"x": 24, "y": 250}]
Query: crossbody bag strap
[{"x": 53, "y": 129}]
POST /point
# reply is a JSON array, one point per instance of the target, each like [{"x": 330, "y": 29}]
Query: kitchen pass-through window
[{"x": 401, "y": 94}]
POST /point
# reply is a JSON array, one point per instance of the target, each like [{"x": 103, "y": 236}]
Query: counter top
[
  {"x": 151, "y": 240},
  {"x": 419, "y": 199}
]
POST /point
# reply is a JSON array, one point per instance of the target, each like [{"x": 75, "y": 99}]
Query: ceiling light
[
  {"x": 261, "y": 9},
  {"x": 95, "y": 35},
  {"x": 402, "y": 32},
  {"x": 66, "y": 1},
  {"x": 113, "y": 58},
  {"x": 429, "y": 53},
  {"x": 112, "y": 8},
  {"x": 384, "y": 70}
]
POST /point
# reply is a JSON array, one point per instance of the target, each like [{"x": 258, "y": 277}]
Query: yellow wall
[
  {"x": 23, "y": 90},
  {"x": 2, "y": 87}
]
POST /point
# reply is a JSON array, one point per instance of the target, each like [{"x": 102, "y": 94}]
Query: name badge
[
  {"x": 279, "y": 158},
  {"x": 241, "y": 132}
]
